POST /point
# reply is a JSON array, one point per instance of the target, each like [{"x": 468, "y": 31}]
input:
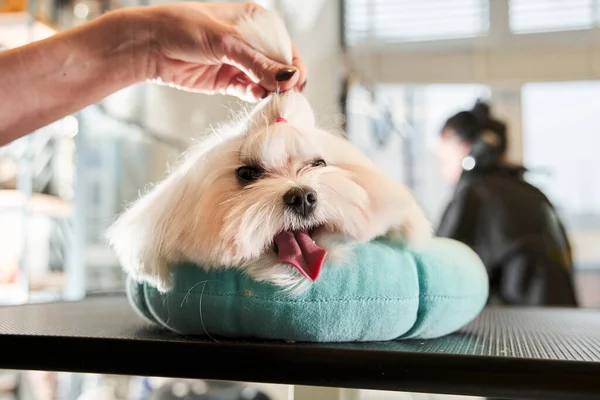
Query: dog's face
[
  {"x": 273, "y": 200},
  {"x": 274, "y": 191}
]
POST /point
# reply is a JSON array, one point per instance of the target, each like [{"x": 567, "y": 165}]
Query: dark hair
[{"x": 470, "y": 125}]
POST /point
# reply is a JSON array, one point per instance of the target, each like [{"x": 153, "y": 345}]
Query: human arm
[
  {"x": 193, "y": 46},
  {"x": 46, "y": 80}
]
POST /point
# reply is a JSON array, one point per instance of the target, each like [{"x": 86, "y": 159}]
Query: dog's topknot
[{"x": 265, "y": 31}]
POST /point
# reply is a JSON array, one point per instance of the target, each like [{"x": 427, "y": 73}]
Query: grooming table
[{"x": 510, "y": 353}]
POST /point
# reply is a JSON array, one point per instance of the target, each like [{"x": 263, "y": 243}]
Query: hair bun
[{"x": 482, "y": 111}]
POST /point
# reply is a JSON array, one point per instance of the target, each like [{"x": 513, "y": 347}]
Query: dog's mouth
[{"x": 300, "y": 250}]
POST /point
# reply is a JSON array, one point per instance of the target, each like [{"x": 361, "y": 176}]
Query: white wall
[{"x": 501, "y": 60}]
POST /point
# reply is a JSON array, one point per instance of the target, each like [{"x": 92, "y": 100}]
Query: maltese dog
[{"x": 274, "y": 195}]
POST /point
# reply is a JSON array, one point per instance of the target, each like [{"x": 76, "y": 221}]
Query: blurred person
[
  {"x": 191, "y": 46},
  {"x": 509, "y": 223}
]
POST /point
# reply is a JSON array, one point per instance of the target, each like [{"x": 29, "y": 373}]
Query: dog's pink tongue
[{"x": 297, "y": 248}]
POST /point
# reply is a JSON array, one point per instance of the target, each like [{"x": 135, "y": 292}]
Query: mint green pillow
[{"x": 389, "y": 292}]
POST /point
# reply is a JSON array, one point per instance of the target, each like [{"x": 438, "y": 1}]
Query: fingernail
[
  {"x": 303, "y": 86},
  {"x": 284, "y": 74}
]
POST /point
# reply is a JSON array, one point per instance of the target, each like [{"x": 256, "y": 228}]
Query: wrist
[{"x": 128, "y": 39}]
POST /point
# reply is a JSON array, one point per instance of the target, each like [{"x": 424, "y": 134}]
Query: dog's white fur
[{"x": 202, "y": 213}]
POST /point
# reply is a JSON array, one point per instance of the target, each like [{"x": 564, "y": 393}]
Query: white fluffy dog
[{"x": 274, "y": 195}]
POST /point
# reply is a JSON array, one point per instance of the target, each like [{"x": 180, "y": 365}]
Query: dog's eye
[
  {"x": 319, "y": 163},
  {"x": 248, "y": 174}
]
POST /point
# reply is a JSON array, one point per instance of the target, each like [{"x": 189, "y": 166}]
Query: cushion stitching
[
  {"x": 301, "y": 301},
  {"x": 374, "y": 300},
  {"x": 365, "y": 299},
  {"x": 440, "y": 296}
]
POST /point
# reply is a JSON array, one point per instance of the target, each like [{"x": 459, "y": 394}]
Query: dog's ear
[
  {"x": 394, "y": 211},
  {"x": 138, "y": 237},
  {"x": 142, "y": 236},
  {"x": 179, "y": 218}
]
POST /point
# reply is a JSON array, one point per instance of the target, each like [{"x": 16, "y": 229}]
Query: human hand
[{"x": 195, "y": 46}]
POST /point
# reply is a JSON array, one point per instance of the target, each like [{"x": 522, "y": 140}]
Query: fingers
[
  {"x": 232, "y": 11},
  {"x": 234, "y": 52},
  {"x": 237, "y": 84},
  {"x": 251, "y": 93},
  {"x": 270, "y": 74},
  {"x": 299, "y": 64}
]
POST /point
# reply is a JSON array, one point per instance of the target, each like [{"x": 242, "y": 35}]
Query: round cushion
[{"x": 389, "y": 292}]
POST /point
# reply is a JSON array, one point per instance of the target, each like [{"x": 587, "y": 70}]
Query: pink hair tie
[{"x": 280, "y": 119}]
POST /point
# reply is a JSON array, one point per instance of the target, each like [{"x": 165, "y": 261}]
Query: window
[
  {"x": 561, "y": 142},
  {"x": 398, "y": 128},
  {"x": 531, "y": 16},
  {"x": 389, "y": 21}
]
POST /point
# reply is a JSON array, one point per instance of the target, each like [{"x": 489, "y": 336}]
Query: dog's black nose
[{"x": 302, "y": 200}]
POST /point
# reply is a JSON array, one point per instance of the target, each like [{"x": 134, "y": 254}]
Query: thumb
[{"x": 269, "y": 73}]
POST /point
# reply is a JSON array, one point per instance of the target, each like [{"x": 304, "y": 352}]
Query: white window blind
[
  {"x": 537, "y": 16},
  {"x": 394, "y": 21}
]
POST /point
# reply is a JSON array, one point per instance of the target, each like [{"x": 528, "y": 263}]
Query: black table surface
[{"x": 514, "y": 353}]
